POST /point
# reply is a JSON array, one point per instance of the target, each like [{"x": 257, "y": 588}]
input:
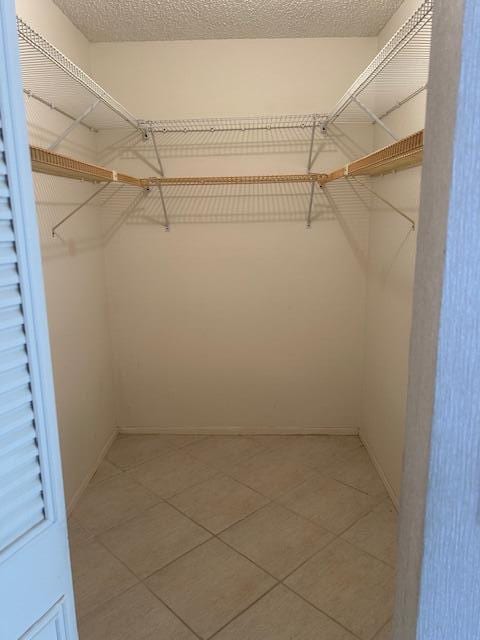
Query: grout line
[
  {"x": 304, "y": 562},
  {"x": 244, "y": 610},
  {"x": 98, "y": 484},
  {"x": 384, "y": 627},
  {"x": 242, "y": 458},
  {"x": 162, "y": 454},
  {"x": 260, "y": 495},
  {"x": 214, "y": 537},
  {"x": 126, "y": 520},
  {"x": 217, "y": 536},
  {"x": 299, "y": 595},
  {"x": 171, "y": 611},
  {"x": 279, "y": 580},
  {"x": 367, "y": 553},
  {"x": 130, "y": 519},
  {"x": 185, "y": 553},
  {"x": 271, "y": 501},
  {"x": 117, "y": 594},
  {"x": 143, "y": 582},
  {"x": 194, "y": 486},
  {"x": 277, "y": 501}
]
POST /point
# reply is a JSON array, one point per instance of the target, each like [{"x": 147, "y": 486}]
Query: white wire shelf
[
  {"x": 52, "y": 78},
  {"x": 236, "y": 203},
  {"x": 263, "y": 203},
  {"x": 241, "y": 124},
  {"x": 398, "y": 73}
]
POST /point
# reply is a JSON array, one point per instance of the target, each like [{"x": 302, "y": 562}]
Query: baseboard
[
  {"x": 78, "y": 493},
  {"x": 259, "y": 431},
  {"x": 381, "y": 473}
]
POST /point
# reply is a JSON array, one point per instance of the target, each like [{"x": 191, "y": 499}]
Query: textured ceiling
[{"x": 120, "y": 20}]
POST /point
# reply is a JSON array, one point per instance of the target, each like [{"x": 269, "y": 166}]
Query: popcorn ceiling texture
[{"x": 123, "y": 20}]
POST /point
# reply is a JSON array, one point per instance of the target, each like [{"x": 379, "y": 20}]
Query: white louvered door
[{"x": 36, "y": 597}]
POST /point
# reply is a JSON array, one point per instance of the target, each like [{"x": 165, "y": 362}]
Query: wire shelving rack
[
  {"x": 53, "y": 79},
  {"x": 398, "y": 73}
]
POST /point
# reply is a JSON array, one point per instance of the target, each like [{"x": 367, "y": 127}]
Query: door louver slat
[{"x": 21, "y": 497}]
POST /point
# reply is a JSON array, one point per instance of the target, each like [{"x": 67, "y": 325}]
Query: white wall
[
  {"x": 74, "y": 276},
  {"x": 391, "y": 266},
  {"x": 229, "y": 326},
  {"x": 237, "y": 325}
]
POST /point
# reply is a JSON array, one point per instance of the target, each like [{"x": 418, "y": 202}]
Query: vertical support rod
[
  {"x": 162, "y": 173},
  {"x": 77, "y": 121},
  {"x": 374, "y": 117},
  {"x": 310, "y": 206},
  {"x": 312, "y": 141},
  {"x": 164, "y": 207},
  {"x": 80, "y": 206},
  {"x": 157, "y": 153}
]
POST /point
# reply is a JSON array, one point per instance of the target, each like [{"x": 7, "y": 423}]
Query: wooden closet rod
[{"x": 405, "y": 153}]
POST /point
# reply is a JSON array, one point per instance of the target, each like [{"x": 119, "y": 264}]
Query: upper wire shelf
[
  {"x": 53, "y": 79},
  {"x": 218, "y": 125},
  {"x": 398, "y": 73}
]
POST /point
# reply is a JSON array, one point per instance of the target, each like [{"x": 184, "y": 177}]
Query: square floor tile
[
  {"x": 218, "y": 502},
  {"x": 282, "y": 615},
  {"x": 320, "y": 451},
  {"x": 349, "y": 586},
  {"x": 209, "y": 586},
  {"x": 276, "y": 539},
  {"x": 357, "y": 470},
  {"x": 376, "y": 533},
  {"x": 134, "y": 615},
  {"x": 130, "y": 451},
  {"x": 105, "y": 471},
  {"x": 97, "y": 576},
  {"x": 328, "y": 503},
  {"x": 171, "y": 474},
  {"x": 271, "y": 472},
  {"x": 222, "y": 452},
  {"x": 153, "y": 539},
  {"x": 386, "y": 633},
  {"x": 112, "y": 502}
]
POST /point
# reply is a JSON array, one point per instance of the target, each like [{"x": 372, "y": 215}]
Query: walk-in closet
[{"x": 227, "y": 199}]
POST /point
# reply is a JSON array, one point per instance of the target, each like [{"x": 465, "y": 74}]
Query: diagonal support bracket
[
  {"x": 386, "y": 202},
  {"x": 75, "y": 123},
  {"x": 80, "y": 206},
  {"x": 374, "y": 117}
]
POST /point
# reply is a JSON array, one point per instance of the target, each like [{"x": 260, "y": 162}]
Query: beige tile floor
[{"x": 234, "y": 538}]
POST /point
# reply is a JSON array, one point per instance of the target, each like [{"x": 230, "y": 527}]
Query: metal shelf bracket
[
  {"x": 80, "y": 206},
  {"x": 74, "y": 124}
]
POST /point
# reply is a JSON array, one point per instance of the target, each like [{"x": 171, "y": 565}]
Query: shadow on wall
[
  {"x": 131, "y": 145},
  {"x": 264, "y": 151},
  {"x": 123, "y": 206}
]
